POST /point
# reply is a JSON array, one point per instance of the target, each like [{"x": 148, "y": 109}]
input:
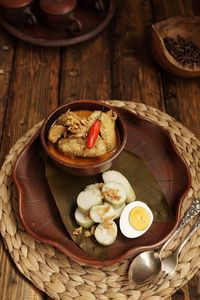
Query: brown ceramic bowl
[
  {"x": 18, "y": 12},
  {"x": 185, "y": 27},
  {"x": 93, "y": 167},
  {"x": 60, "y": 15}
]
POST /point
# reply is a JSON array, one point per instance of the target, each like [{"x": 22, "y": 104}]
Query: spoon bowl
[{"x": 145, "y": 267}]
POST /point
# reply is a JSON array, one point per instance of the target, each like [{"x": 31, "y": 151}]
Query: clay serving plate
[
  {"x": 92, "y": 22},
  {"x": 189, "y": 29},
  {"x": 40, "y": 216}
]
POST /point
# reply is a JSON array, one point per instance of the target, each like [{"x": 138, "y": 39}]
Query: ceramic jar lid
[
  {"x": 58, "y": 7},
  {"x": 15, "y": 3}
]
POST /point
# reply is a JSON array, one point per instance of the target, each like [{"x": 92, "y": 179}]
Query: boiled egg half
[{"x": 135, "y": 220}]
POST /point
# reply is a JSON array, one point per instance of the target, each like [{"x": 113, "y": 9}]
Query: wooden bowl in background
[{"x": 189, "y": 29}]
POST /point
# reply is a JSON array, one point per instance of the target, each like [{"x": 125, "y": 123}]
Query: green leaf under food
[{"x": 65, "y": 189}]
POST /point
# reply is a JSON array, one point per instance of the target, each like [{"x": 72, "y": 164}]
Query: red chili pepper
[{"x": 93, "y": 134}]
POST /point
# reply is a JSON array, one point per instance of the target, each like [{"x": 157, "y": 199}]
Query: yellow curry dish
[{"x": 83, "y": 134}]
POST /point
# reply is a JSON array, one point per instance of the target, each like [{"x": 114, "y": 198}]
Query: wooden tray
[
  {"x": 39, "y": 213},
  {"x": 93, "y": 24}
]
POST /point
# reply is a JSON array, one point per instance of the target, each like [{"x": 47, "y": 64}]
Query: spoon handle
[
  {"x": 193, "y": 210},
  {"x": 188, "y": 236}
]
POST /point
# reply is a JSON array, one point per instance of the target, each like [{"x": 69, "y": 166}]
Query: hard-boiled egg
[{"x": 135, "y": 220}]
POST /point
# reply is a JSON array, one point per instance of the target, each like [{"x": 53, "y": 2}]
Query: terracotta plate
[
  {"x": 40, "y": 215},
  {"x": 93, "y": 23}
]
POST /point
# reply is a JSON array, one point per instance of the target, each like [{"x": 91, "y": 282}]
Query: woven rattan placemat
[{"x": 62, "y": 278}]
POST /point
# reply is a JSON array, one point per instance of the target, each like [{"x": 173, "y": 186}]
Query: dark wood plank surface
[{"x": 118, "y": 64}]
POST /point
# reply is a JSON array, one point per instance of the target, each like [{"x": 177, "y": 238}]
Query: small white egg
[{"x": 135, "y": 219}]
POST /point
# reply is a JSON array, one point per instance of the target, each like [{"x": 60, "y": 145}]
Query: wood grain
[
  {"x": 134, "y": 75},
  {"x": 6, "y": 62},
  {"x": 85, "y": 71},
  {"x": 118, "y": 64},
  {"x": 33, "y": 92}
]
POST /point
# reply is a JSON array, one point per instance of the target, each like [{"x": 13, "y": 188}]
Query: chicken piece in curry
[{"x": 70, "y": 133}]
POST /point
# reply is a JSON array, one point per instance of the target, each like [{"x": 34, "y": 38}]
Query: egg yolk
[{"x": 139, "y": 218}]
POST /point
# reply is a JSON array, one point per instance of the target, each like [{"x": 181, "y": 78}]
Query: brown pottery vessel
[
  {"x": 40, "y": 216},
  {"x": 19, "y": 12},
  {"x": 96, "y": 167},
  {"x": 60, "y": 14},
  {"x": 189, "y": 29}
]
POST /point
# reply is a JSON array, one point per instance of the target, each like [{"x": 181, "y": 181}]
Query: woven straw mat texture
[{"x": 59, "y": 276}]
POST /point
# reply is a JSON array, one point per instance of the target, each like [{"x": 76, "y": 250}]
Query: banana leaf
[{"x": 65, "y": 189}]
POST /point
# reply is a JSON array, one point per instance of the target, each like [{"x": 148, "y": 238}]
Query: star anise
[{"x": 184, "y": 51}]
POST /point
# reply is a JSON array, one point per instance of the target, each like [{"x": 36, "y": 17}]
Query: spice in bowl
[{"x": 184, "y": 51}]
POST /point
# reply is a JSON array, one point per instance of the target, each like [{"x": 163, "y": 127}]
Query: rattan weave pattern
[{"x": 62, "y": 278}]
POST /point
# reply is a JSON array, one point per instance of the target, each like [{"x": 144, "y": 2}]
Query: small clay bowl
[
  {"x": 60, "y": 15},
  {"x": 189, "y": 29},
  {"x": 93, "y": 167},
  {"x": 18, "y": 12}
]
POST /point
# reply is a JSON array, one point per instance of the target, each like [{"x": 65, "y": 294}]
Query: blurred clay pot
[
  {"x": 60, "y": 14},
  {"x": 189, "y": 29},
  {"x": 18, "y": 12}
]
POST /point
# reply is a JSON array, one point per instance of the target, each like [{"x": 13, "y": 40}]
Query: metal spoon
[{"x": 147, "y": 265}]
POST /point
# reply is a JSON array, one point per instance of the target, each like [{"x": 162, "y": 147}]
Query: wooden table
[{"x": 116, "y": 65}]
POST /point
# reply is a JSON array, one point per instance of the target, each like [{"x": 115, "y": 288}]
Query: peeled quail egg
[{"x": 135, "y": 220}]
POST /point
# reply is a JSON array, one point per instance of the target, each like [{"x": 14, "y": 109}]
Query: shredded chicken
[
  {"x": 77, "y": 147},
  {"x": 56, "y": 132}
]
